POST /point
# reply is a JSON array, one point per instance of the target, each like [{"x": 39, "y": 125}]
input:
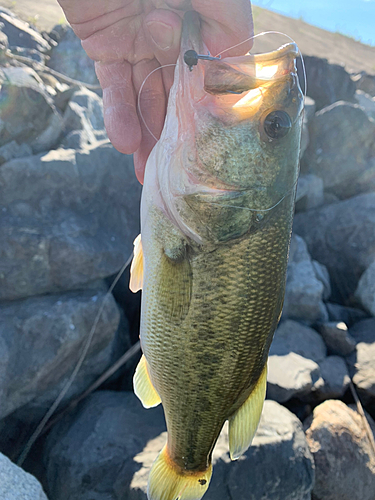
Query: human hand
[{"x": 128, "y": 39}]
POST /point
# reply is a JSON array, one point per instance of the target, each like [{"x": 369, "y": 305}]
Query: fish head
[{"x": 229, "y": 150}]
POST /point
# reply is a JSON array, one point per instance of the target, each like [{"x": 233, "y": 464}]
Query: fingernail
[{"x": 161, "y": 34}]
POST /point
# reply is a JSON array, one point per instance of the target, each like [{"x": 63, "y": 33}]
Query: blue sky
[{"x": 355, "y": 18}]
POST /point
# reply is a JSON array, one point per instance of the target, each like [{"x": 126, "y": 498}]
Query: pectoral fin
[
  {"x": 136, "y": 269},
  {"x": 174, "y": 287},
  {"x": 243, "y": 424},
  {"x": 143, "y": 387}
]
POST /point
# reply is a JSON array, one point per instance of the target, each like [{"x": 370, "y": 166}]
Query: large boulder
[
  {"x": 291, "y": 375},
  {"x": 41, "y": 340},
  {"x": 293, "y": 363},
  {"x": 341, "y": 236},
  {"x": 305, "y": 285},
  {"x": 69, "y": 58},
  {"x": 291, "y": 336},
  {"x": 115, "y": 456},
  {"x": 27, "y": 112},
  {"x": 342, "y": 144},
  {"x": 327, "y": 83},
  {"x": 16, "y": 484},
  {"x": 277, "y": 466},
  {"x": 336, "y": 380},
  {"x": 68, "y": 218},
  {"x": 96, "y": 452},
  {"x": 344, "y": 460}
]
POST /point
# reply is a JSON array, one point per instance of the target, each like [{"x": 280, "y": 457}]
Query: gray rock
[
  {"x": 13, "y": 150},
  {"x": 348, "y": 315},
  {"x": 362, "y": 361},
  {"x": 291, "y": 336},
  {"x": 112, "y": 432},
  {"x": 337, "y": 338},
  {"x": 365, "y": 292},
  {"x": 69, "y": 58},
  {"x": 277, "y": 466},
  {"x": 364, "y": 183},
  {"x": 308, "y": 114},
  {"x": 365, "y": 82},
  {"x": 20, "y": 34},
  {"x": 29, "y": 115},
  {"x": 68, "y": 218},
  {"x": 92, "y": 105},
  {"x": 16, "y": 484},
  {"x": 310, "y": 108},
  {"x": 304, "y": 291},
  {"x": 293, "y": 364},
  {"x": 366, "y": 102},
  {"x": 77, "y": 139},
  {"x": 33, "y": 54},
  {"x": 341, "y": 236},
  {"x": 115, "y": 456},
  {"x": 291, "y": 375},
  {"x": 322, "y": 274},
  {"x": 344, "y": 462},
  {"x": 4, "y": 45},
  {"x": 41, "y": 341},
  {"x": 341, "y": 146},
  {"x": 309, "y": 192},
  {"x": 75, "y": 120},
  {"x": 334, "y": 373},
  {"x": 327, "y": 83},
  {"x": 84, "y": 113}
]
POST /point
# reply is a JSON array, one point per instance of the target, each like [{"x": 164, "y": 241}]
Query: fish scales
[
  {"x": 199, "y": 387},
  {"x": 217, "y": 212}
]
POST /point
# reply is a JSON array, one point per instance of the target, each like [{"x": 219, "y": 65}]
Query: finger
[
  {"x": 163, "y": 30},
  {"x": 148, "y": 84},
  {"x": 225, "y": 24},
  {"x": 119, "y": 103}
]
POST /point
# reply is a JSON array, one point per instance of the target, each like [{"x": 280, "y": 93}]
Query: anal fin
[
  {"x": 136, "y": 269},
  {"x": 143, "y": 387},
  {"x": 243, "y": 424}
]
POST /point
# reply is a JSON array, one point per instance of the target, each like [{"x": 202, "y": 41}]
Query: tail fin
[{"x": 168, "y": 482}]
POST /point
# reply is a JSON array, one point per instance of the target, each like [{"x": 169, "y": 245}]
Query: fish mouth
[
  {"x": 241, "y": 74},
  {"x": 235, "y": 75}
]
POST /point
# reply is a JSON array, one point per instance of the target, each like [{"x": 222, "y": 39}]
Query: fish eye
[{"x": 277, "y": 124}]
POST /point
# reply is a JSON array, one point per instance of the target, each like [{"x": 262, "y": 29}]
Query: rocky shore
[{"x": 69, "y": 212}]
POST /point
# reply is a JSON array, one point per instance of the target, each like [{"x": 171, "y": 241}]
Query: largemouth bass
[{"x": 217, "y": 210}]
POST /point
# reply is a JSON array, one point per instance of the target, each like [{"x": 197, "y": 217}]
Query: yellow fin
[
  {"x": 168, "y": 482},
  {"x": 136, "y": 269},
  {"x": 243, "y": 424},
  {"x": 143, "y": 387}
]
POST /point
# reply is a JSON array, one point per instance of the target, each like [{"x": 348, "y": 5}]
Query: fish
[{"x": 216, "y": 219}]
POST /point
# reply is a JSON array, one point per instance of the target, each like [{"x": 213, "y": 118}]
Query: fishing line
[
  {"x": 217, "y": 55},
  {"x": 67, "y": 386},
  {"x": 139, "y": 96}
]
